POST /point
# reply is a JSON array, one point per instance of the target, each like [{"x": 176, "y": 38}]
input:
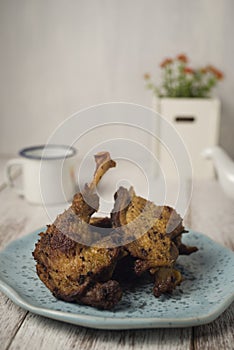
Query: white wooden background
[
  {"x": 59, "y": 56},
  {"x": 210, "y": 212}
]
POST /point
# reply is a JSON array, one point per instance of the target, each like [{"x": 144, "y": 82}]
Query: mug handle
[{"x": 8, "y": 176}]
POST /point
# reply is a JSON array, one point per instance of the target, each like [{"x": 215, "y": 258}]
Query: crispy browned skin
[
  {"x": 154, "y": 232},
  {"x": 146, "y": 224},
  {"x": 70, "y": 270},
  {"x": 75, "y": 271}
]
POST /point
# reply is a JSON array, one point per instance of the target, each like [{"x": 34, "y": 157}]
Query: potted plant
[{"x": 184, "y": 99}]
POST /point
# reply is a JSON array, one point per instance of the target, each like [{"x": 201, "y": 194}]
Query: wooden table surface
[{"x": 210, "y": 212}]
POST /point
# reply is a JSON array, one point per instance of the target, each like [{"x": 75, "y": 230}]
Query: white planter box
[{"x": 197, "y": 122}]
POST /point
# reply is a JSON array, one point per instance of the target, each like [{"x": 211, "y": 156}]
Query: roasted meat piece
[
  {"x": 82, "y": 259},
  {"x": 165, "y": 280},
  {"x": 72, "y": 270},
  {"x": 152, "y": 234}
]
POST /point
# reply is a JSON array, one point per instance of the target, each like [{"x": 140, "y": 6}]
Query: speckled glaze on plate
[{"x": 208, "y": 289}]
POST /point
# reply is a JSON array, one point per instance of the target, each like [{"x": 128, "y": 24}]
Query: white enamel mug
[{"x": 48, "y": 174}]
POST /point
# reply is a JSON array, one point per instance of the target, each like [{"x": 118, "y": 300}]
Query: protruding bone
[{"x": 103, "y": 163}]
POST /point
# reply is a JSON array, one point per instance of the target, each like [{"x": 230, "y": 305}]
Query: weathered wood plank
[
  {"x": 17, "y": 218},
  {"x": 11, "y": 319},
  {"x": 216, "y": 335},
  {"x": 11, "y": 316},
  {"x": 40, "y": 333},
  {"x": 213, "y": 214}
]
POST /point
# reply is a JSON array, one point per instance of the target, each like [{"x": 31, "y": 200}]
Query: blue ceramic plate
[{"x": 208, "y": 289}]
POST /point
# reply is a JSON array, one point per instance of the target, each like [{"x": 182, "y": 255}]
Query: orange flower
[
  {"x": 165, "y": 62},
  {"x": 188, "y": 70},
  {"x": 218, "y": 74},
  {"x": 147, "y": 76},
  {"x": 204, "y": 70},
  {"x": 182, "y": 57}
]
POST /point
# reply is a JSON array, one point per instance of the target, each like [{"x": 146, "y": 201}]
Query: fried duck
[
  {"x": 74, "y": 271},
  {"x": 153, "y": 237},
  {"x": 78, "y": 254}
]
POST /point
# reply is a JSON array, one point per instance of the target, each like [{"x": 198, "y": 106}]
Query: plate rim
[{"x": 102, "y": 322}]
